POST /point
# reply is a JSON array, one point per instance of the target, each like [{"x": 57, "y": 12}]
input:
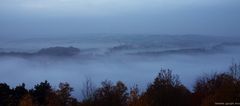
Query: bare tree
[
  {"x": 235, "y": 70},
  {"x": 88, "y": 89}
]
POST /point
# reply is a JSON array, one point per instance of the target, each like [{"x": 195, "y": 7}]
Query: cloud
[
  {"x": 119, "y": 16},
  {"x": 81, "y": 7},
  {"x": 105, "y": 7},
  {"x": 97, "y": 6}
]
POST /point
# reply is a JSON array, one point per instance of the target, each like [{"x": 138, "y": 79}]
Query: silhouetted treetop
[{"x": 165, "y": 90}]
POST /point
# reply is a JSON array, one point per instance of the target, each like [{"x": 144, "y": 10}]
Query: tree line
[{"x": 165, "y": 90}]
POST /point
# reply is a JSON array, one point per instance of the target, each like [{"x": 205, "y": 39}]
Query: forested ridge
[{"x": 166, "y": 90}]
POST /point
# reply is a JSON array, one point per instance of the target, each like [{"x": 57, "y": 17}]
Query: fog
[
  {"x": 132, "y": 59},
  {"x": 127, "y": 40}
]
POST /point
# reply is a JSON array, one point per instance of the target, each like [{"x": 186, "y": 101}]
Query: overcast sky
[{"x": 69, "y": 17}]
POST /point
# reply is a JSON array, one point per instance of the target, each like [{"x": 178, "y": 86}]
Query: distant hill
[
  {"x": 59, "y": 51},
  {"x": 51, "y": 51}
]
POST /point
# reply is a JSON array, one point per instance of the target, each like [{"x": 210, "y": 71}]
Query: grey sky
[{"x": 66, "y": 17}]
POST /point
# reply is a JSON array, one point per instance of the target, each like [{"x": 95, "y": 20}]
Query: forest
[{"x": 218, "y": 89}]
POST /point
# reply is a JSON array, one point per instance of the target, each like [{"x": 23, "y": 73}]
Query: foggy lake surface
[{"x": 133, "y": 59}]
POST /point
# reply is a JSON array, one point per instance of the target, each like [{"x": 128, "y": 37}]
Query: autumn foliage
[{"x": 165, "y": 90}]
